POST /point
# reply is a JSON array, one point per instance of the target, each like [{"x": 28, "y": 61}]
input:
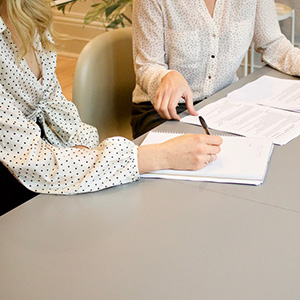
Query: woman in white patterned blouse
[
  {"x": 187, "y": 50},
  {"x": 44, "y": 146}
]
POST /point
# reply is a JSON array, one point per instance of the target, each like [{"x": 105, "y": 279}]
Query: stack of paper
[
  {"x": 268, "y": 107},
  {"x": 270, "y": 91},
  {"x": 241, "y": 160}
]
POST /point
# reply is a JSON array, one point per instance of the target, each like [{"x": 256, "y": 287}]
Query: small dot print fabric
[
  {"x": 181, "y": 35},
  {"x": 39, "y": 129}
]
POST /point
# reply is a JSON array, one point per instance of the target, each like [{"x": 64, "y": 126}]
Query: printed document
[
  {"x": 249, "y": 119},
  {"x": 267, "y": 107}
]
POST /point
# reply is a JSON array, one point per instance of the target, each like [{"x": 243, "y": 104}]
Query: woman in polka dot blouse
[
  {"x": 187, "y": 50},
  {"x": 44, "y": 146}
]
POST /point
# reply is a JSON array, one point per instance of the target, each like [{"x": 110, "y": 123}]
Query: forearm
[
  {"x": 45, "y": 168},
  {"x": 185, "y": 152},
  {"x": 151, "y": 158},
  {"x": 282, "y": 56},
  {"x": 148, "y": 45},
  {"x": 275, "y": 48}
]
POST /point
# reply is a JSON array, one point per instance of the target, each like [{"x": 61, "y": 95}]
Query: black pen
[{"x": 204, "y": 125}]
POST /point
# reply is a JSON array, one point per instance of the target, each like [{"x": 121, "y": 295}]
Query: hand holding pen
[{"x": 205, "y": 127}]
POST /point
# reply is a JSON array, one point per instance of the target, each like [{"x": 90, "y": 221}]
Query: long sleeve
[
  {"x": 181, "y": 35},
  {"x": 276, "y": 49},
  {"x": 45, "y": 168},
  {"x": 148, "y": 46},
  {"x": 60, "y": 120},
  {"x": 39, "y": 129}
]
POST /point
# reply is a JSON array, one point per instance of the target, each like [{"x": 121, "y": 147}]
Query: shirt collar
[{"x": 3, "y": 27}]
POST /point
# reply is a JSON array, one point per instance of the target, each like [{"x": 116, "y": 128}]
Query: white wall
[{"x": 72, "y": 24}]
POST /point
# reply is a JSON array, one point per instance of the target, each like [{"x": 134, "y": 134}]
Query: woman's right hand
[
  {"x": 173, "y": 87},
  {"x": 186, "y": 152}
]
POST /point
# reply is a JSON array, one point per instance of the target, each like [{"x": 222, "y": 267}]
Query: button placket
[{"x": 212, "y": 62}]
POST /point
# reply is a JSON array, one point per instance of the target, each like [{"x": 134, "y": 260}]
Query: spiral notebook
[{"x": 242, "y": 160}]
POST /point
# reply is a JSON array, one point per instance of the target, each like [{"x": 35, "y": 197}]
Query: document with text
[
  {"x": 241, "y": 160},
  {"x": 249, "y": 119},
  {"x": 268, "y": 107}
]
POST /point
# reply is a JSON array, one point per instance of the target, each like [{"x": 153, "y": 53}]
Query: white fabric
[
  {"x": 39, "y": 127},
  {"x": 181, "y": 35}
]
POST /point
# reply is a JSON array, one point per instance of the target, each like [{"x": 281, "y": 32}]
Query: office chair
[{"x": 103, "y": 83}]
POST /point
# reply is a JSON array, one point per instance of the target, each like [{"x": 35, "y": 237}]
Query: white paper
[
  {"x": 268, "y": 107},
  {"x": 250, "y": 119},
  {"x": 241, "y": 160},
  {"x": 270, "y": 91}
]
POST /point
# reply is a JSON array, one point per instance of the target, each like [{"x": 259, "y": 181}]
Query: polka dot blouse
[
  {"x": 181, "y": 35},
  {"x": 39, "y": 129}
]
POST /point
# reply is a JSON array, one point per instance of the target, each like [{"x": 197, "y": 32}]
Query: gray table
[{"x": 161, "y": 239}]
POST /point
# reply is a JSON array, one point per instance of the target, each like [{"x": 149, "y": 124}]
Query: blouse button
[
  {"x": 209, "y": 77},
  {"x": 212, "y": 56}
]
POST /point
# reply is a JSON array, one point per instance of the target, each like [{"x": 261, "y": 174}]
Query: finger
[
  {"x": 215, "y": 140},
  {"x": 190, "y": 104},
  {"x": 173, "y": 103},
  {"x": 160, "y": 106},
  {"x": 212, "y": 140},
  {"x": 214, "y": 157},
  {"x": 210, "y": 158},
  {"x": 157, "y": 101},
  {"x": 212, "y": 149},
  {"x": 173, "y": 112},
  {"x": 164, "y": 112}
]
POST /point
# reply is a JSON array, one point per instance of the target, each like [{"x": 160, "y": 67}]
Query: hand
[
  {"x": 192, "y": 152},
  {"x": 173, "y": 87},
  {"x": 186, "y": 152}
]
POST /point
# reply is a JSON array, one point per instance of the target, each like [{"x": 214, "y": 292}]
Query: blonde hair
[{"x": 31, "y": 18}]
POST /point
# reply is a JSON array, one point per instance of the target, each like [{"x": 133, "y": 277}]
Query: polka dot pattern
[
  {"x": 181, "y": 35},
  {"x": 39, "y": 129}
]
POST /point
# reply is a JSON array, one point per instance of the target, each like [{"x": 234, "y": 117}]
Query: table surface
[{"x": 161, "y": 239}]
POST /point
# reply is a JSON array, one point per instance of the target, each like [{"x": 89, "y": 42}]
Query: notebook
[{"x": 242, "y": 160}]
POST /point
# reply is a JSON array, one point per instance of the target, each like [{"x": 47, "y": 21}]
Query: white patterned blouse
[
  {"x": 181, "y": 35},
  {"x": 39, "y": 129}
]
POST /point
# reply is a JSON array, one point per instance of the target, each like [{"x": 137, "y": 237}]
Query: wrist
[
  {"x": 152, "y": 158},
  {"x": 170, "y": 74}
]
